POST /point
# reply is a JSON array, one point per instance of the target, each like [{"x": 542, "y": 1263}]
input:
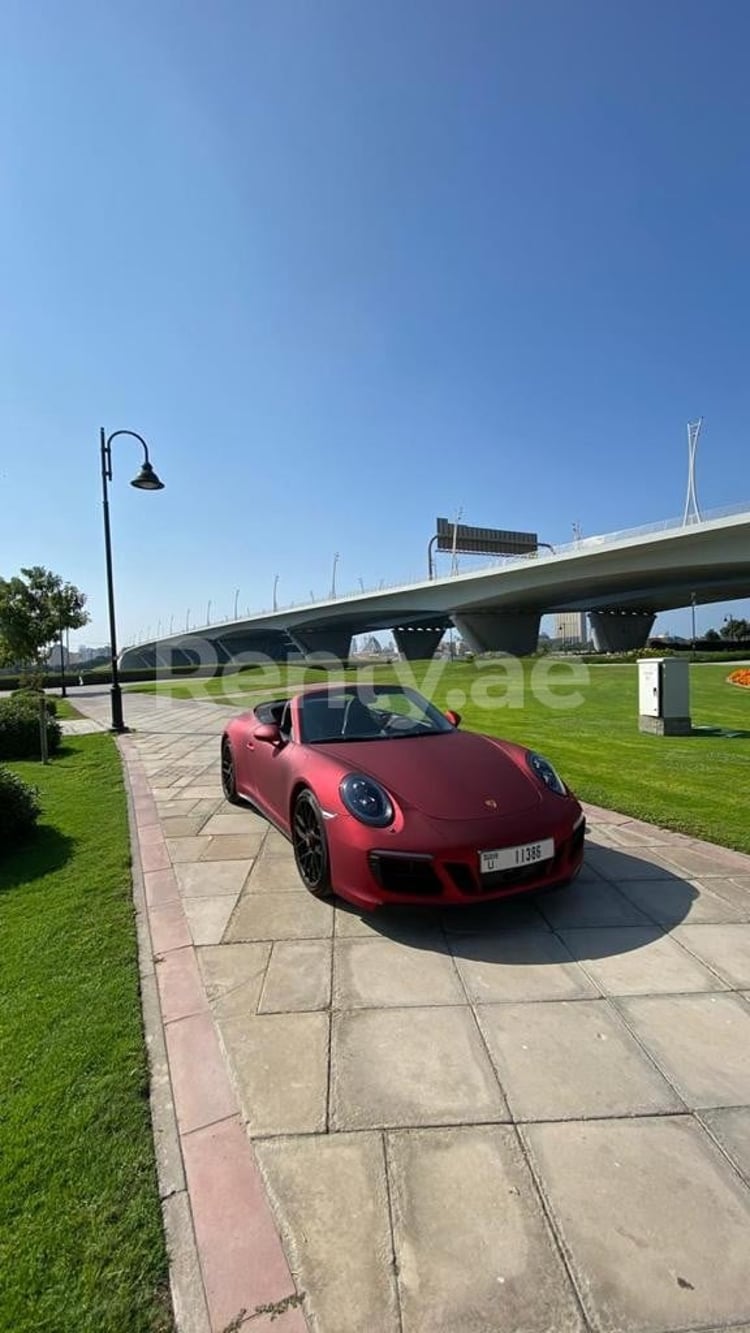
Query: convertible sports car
[{"x": 385, "y": 800}]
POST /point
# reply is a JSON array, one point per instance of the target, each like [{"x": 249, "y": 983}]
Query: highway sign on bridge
[{"x": 465, "y": 540}]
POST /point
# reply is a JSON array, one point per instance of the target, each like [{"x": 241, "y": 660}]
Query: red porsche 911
[{"x": 386, "y": 801}]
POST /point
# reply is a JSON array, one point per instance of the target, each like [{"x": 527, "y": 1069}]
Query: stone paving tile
[
  {"x": 175, "y": 809},
  {"x": 702, "y": 863},
  {"x": 276, "y": 844},
  {"x": 637, "y": 834},
  {"x": 397, "y": 1067},
  {"x": 161, "y": 887},
  {"x": 485, "y": 1260},
  {"x": 331, "y": 1199},
  {"x": 232, "y": 846},
  {"x": 596, "y": 903},
  {"x": 154, "y": 856},
  {"x": 235, "y": 821},
  {"x": 292, "y": 1320},
  {"x": 421, "y": 926},
  {"x": 202, "y": 879},
  {"x": 169, "y": 928},
  {"x": 650, "y": 1213},
  {"x": 298, "y": 976},
  {"x": 199, "y": 786},
  {"x": 377, "y": 973},
  {"x": 519, "y": 912},
  {"x": 280, "y": 916},
  {"x": 233, "y": 976},
  {"x": 208, "y": 917},
  {"x": 562, "y": 1060},
  {"x": 525, "y": 965},
  {"x": 179, "y": 982},
  {"x": 274, "y": 874},
  {"x": 241, "y": 1256},
  {"x": 202, "y": 1092},
  {"x": 279, "y": 1064},
  {"x": 635, "y": 960},
  {"x": 617, "y": 865},
  {"x": 731, "y": 1127},
  {"x": 183, "y": 826},
  {"x": 732, "y": 890},
  {"x": 183, "y": 850},
  {"x": 672, "y": 901},
  {"x": 702, "y": 1042},
  {"x": 724, "y": 948},
  {"x": 207, "y": 808}
]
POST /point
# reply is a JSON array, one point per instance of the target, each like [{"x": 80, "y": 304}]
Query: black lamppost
[{"x": 146, "y": 480}]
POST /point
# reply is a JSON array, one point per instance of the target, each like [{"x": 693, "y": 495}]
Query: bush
[
  {"x": 19, "y": 809},
  {"x": 19, "y": 730},
  {"x": 31, "y": 697}
]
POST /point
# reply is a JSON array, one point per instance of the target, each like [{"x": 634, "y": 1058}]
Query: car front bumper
[{"x": 449, "y": 875}]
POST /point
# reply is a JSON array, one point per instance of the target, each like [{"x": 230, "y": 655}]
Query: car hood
[{"x": 449, "y": 776}]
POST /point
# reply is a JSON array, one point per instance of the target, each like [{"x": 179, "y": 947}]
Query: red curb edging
[{"x": 226, "y": 1257}]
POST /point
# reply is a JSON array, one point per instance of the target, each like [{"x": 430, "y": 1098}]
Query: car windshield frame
[{"x": 431, "y": 722}]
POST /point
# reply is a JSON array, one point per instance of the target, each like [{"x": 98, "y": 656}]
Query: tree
[
  {"x": 34, "y": 610},
  {"x": 735, "y": 629},
  {"x": 712, "y": 635}
]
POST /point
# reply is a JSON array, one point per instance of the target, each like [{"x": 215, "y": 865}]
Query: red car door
[{"x": 267, "y": 769}]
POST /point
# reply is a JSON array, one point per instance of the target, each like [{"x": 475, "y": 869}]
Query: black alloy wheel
[
  {"x": 228, "y": 784},
  {"x": 310, "y": 846}
]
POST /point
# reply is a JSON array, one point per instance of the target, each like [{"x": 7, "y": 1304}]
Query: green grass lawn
[
  {"x": 65, "y": 710},
  {"x": 698, "y": 784},
  {"x": 81, "y": 1244}
]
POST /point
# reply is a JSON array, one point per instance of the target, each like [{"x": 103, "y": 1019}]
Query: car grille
[
  {"x": 463, "y": 877},
  {"x": 405, "y": 874}
]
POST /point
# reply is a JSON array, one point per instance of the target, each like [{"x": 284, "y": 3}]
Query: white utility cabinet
[{"x": 664, "y": 696}]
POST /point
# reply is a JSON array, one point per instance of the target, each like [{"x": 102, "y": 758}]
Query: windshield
[{"x": 368, "y": 713}]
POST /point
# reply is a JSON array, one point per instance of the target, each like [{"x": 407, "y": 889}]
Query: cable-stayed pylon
[{"x": 692, "y": 512}]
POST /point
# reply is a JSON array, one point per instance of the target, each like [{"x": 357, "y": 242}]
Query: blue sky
[{"x": 349, "y": 266}]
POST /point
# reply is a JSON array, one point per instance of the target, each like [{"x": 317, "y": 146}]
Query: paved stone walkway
[
  {"x": 80, "y": 726},
  {"x": 524, "y": 1116}
]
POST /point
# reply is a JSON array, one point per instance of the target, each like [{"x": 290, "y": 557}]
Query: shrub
[
  {"x": 26, "y": 695},
  {"x": 19, "y": 809},
  {"x": 19, "y": 730}
]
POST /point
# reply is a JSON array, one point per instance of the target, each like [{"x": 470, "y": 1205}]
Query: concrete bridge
[{"x": 622, "y": 580}]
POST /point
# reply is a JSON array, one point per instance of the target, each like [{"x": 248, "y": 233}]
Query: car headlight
[
  {"x": 546, "y": 773},
  {"x": 366, "y": 800}
]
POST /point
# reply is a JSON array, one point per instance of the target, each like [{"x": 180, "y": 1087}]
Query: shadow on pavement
[{"x": 628, "y": 901}]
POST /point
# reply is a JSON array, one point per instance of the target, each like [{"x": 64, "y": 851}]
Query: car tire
[
  {"x": 228, "y": 782},
  {"x": 311, "y": 845}
]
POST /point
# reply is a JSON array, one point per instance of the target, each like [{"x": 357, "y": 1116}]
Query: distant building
[{"x": 570, "y": 627}]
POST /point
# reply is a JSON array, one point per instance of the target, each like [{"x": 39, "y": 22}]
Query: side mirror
[
  {"x": 453, "y": 717},
  {"x": 269, "y": 733}
]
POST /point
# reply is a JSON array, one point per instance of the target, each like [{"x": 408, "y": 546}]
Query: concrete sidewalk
[{"x": 524, "y": 1116}]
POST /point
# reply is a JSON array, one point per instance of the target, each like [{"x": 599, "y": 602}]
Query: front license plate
[{"x": 516, "y": 858}]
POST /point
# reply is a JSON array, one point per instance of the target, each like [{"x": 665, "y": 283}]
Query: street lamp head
[{"x": 147, "y": 480}]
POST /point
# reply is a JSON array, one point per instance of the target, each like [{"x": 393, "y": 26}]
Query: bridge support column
[
  {"x": 515, "y": 632},
  {"x": 619, "y": 631},
  {"x": 334, "y": 642},
  {"x": 418, "y": 642}
]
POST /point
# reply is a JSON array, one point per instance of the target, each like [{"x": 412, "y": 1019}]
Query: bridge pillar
[
  {"x": 418, "y": 642},
  {"x": 334, "y": 642},
  {"x": 619, "y": 631},
  {"x": 515, "y": 632}
]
